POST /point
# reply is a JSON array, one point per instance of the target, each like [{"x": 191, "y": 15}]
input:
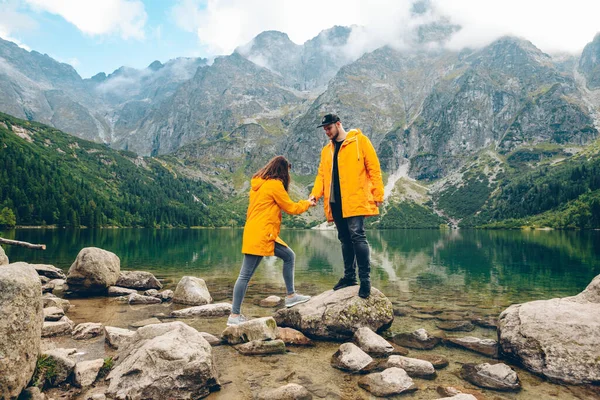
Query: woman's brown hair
[{"x": 277, "y": 168}]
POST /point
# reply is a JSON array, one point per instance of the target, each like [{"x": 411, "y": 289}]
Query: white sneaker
[
  {"x": 296, "y": 299},
  {"x": 236, "y": 320}
]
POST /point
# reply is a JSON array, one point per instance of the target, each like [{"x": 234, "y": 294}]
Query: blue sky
[{"x": 102, "y": 35}]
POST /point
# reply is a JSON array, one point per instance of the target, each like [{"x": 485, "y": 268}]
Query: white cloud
[
  {"x": 12, "y": 22},
  {"x": 125, "y": 18},
  {"x": 552, "y": 25}
]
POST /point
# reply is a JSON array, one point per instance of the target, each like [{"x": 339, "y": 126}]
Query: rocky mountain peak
[
  {"x": 155, "y": 65},
  {"x": 589, "y": 63}
]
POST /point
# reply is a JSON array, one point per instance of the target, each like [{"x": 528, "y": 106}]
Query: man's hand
[
  {"x": 312, "y": 201},
  {"x": 379, "y": 203}
]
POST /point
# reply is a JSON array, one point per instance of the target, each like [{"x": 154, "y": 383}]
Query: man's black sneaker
[
  {"x": 345, "y": 282},
  {"x": 365, "y": 289}
]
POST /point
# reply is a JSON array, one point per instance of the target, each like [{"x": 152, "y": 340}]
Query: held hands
[
  {"x": 312, "y": 201},
  {"x": 379, "y": 203}
]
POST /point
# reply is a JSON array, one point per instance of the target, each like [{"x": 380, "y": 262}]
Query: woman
[{"x": 268, "y": 197}]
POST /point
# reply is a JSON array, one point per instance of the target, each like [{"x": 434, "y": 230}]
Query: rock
[
  {"x": 487, "y": 347},
  {"x": 97, "y": 396},
  {"x": 44, "y": 279},
  {"x": 57, "y": 284},
  {"x": 53, "y": 313},
  {"x": 49, "y": 271},
  {"x": 63, "y": 326},
  {"x": 152, "y": 292},
  {"x": 256, "y": 329},
  {"x": 50, "y": 300},
  {"x": 460, "y": 396},
  {"x": 402, "y": 311},
  {"x": 419, "y": 339},
  {"x": 211, "y": 339},
  {"x": 21, "y": 320},
  {"x": 48, "y": 287},
  {"x": 389, "y": 382},
  {"x": 424, "y": 316},
  {"x": 451, "y": 317},
  {"x": 193, "y": 291},
  {"x": 135, "y": 298},
  {"x": 497, "y": 376},
  {"x": 116, "y": 337},
  {"x": 166, "y": 295},
  {"x": 556, "y": 338},
  {"x": 414, "y": 367},
  {"x": 63, "y": 364},
  {"x": 427, "y": 309},
  {"x": 338, "y": 314},
  {"x": 87, "y": 330},
  {"x": 351, "y": 358},
  {"x": 271, "y": 301},
  {"x": 3, "y": 257},
  {"x": 208, "y": 310},
  {"x": 456, "y": 326},
  {"x": 114, "y": 291},
  {"x": 86, "y": 372},
  {"x": 145, "y": 322},
  {"x": 261, "y": 347},
  {"x": 139, "y": 280},
  {"x": 293, "y": 337},
  {"x": 32, "y": 393},
  {"x": 451, "y": 391},
  {"x": 489, "y": 323},
  {"x": 291, "y": 391},
  {"x": 398, "y": 350},
  {"x": 371, "y": 343},
  {"x": 170, "y": 360},
  {"x": 438, "y": 362},
  {"x": 93, "y": 271}
]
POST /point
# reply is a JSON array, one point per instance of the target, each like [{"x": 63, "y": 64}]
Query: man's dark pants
[{"x": 355, "y": 248}]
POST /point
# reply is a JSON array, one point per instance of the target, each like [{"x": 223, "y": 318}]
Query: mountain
[{"x": 589, "y": 63}]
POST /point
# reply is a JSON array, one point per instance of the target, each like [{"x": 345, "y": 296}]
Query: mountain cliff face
[{"x": 589, "y": 63}]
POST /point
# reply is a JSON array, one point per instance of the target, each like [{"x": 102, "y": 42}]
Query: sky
[{"x": 103, "y": 35}]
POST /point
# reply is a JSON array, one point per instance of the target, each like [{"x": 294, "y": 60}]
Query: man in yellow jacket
[{"x": 349, "y": 177}]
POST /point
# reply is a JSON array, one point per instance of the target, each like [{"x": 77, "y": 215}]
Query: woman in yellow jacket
[{"x": 268, "y": 196}]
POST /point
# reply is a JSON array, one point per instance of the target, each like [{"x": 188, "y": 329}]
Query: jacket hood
[{"x": 256, "y": 183}]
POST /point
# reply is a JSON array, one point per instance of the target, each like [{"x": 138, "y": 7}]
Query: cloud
[
  {"x": 552, "y": 25},
  {"x": 126, "y": 18},
  {"x": 13, "y": 21}
]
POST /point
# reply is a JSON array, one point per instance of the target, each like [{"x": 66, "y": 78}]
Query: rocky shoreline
[{"x": 168, "y": 355}]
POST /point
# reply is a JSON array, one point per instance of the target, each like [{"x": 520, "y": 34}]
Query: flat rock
[
  {"x": 140, "y": 280},
  {"x": 271, "y": 301},
  {"x": 452, "y": 391},
  {"x": 261, "y": 347},
  {"x": 293, "y": 337},
  {"x": 487, "y": 347},
  {"x": 50, "y": 300},
  {"x": 291, "y": 391},
  {"x": 488, "y": 322},
  {"x": 497, "y": 376},
  {"x": 87, "y": 330},
  {"x": 338, "y": 314},
  {"x": 86, "y": 372},
  {"x": 207, "y": 310},
  {"x": 152, "y": 292},
  {"x": 53, "y": 313},
  {"x": 389, "y": 382},
  {"x": 135, "y": 298},
  {"x": 371, "y": 343},
  {"x": 414, "y": 367},
  {"x": 256, "y": 329},
  {"x": 419, "y": 339},
  {"x": 49, "y": 271},
  {"x": 437, "y": 361},
  {"x": 211, "y": 339},
  {"x": 115, "y": 337},
  {"x": 460, "y": 396},
  {"x": 192, "y": 291},
  {"x": 114, "y": 291},
  {"x": 64, "y": 326},
  {"x": 351, "y": 358},
  {"x": 456, "y": 326},
  {"x": 402, "y": 311}
]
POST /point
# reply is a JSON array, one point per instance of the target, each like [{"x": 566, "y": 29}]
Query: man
[{"x": 350, "y": 178}]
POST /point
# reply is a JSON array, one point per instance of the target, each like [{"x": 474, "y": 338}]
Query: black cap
[{"x": 329, "y": 119}]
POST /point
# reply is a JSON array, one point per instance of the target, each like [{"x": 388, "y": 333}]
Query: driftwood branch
[{"x": 22, "y": 244}]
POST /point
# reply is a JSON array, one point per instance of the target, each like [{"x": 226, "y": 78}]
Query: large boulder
[
  {"x": 21, "y": 319},
  {"x": 338, "y": 314},
  {"x": 556, "y": 338},
  {"x": 170, "y": 360},
  {"x": 3, "y": 257},
  {"x": 93, "y": 271},
  {"x": 491, "y": 376},
  {"x": 193, "y": 291},
  {"x": 139, "y": 280}
]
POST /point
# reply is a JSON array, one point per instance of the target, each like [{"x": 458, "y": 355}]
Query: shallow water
[{"x": 469, "y": 273}]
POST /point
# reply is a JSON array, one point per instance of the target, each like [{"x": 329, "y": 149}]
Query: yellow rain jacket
[
  {"x": 361, "y": 184},
  {"x": 263, "y": 219}
]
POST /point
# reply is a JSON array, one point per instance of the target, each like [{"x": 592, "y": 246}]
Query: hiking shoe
[
  {"x": 365, "y": 289},
  {"x": 296, "y": 299},
  {"x": 345, "y": 282},
  {"x": 236, "y": 320}
]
